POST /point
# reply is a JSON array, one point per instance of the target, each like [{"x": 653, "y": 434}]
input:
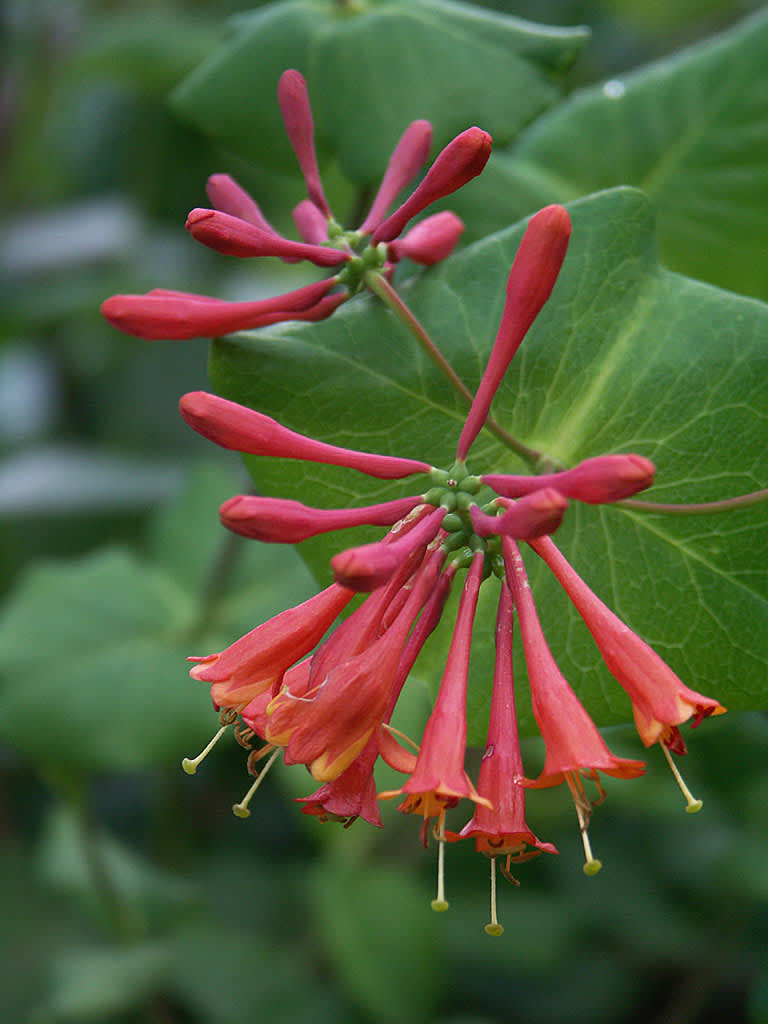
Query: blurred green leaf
[
  {"x": 220, "y": 969},
  {"x": 625, "y": 357},
  {"x": 69, "y": 846},
  {"x": 438, "y": 56},
  {"x": 90, "y": 983},
  {"x": 380, "y": 934},
  {"x": 691, "y": 131},
  {"x": 93, "y": 673},
  {"x": 147, "y": 48}
]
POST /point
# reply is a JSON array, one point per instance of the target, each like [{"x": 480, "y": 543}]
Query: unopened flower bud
[
  {"x": 461, "y": 160},
  {"x": 533, "y": 516},
  {"x": 430, "y": 241},
  {"x": 596, "y": 481}
]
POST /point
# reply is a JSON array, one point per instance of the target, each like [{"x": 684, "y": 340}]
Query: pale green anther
[{"x": 452, "y": 523}]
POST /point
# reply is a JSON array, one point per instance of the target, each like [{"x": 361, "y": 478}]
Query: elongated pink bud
[
  {"x": 310, "y": 223},
  {"x": 293, "y": 98},
  {"x": 461, "y": 160},
  {"x": 530, "y": 283},
  {"x": 241, "y": 429},
  {"x": 660, "y": 700},
  {"x": 289, "y": 522},
  {"x": 596, "y": 481},
  {"x": 431, "y": 240},
  {"x": 537, "y": 514},
  {"x": 319, "y": 311},
  {"x": 407, "y": 157},
  {"x": 235, "y": 237},
  {"x": 164, "y": 314},
  {"x": 229, "y": 197},
  {"x": 367, "y": 567}
]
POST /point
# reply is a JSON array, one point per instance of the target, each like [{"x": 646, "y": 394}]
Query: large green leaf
[
  {"x": 93, "y": 672},
  {"x": 626, "y": 356},
  {"x": 691, "y": 131},
  {"x": 371, "y": 69}
]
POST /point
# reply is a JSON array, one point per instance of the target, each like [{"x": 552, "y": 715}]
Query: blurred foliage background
[{"x": 128, "y": 891}]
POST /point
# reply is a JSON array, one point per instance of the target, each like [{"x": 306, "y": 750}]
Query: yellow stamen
[
  {"x": 189, "y": 764},
  {"x": 493, "y": 927},
  {"x": 440, "y": 903},
  {"x": 241, "y": 809},
  {"x": 583, "y": 812},
  {"x": 401, "y": 735},
  {"x": 692, "y": 804}
]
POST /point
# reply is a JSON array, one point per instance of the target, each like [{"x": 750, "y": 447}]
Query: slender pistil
[
  {"x": 493, "y": 927},
  {"x": 583, "y": 810},
  {"x": 440, "y": 903},
  {"x": 189, "y": 764},
  {"x": 692, "y": 804},
  {"x": 241, "y": 809}
]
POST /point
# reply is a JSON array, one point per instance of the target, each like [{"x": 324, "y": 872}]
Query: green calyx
[
  {"x": 457, "y": 490},
  {"x": 366, "y": 260}
]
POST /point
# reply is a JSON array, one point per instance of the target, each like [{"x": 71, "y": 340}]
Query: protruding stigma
[
  {"x": 241, "y": 810},
  {"x": 583, "y": 812},
  {"x": 440, "y": 903},
  {"x": 189, "y": 764},
  {"x": 692, "y": 805},
  {"x": 493, "y": 927}
]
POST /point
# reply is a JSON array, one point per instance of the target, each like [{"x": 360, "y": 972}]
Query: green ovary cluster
[
  {"x": 457, "y": 490},
  {"x": 366, "y": 257}
]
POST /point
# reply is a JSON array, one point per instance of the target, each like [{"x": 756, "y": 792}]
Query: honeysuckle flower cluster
[
  {"x": 236, "y": 226},
  {"x": 323, "y": 696}
]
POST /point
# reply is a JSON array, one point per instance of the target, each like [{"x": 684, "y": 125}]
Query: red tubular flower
[
  {"x": 365, "y": 568},
  {"x": 310, "y": 223},
  {"x": 293, "y": 98},
  {"x": 596, "y": 481},
  {"x": 530, "y": 283},
  {"x": 571, "y": 737},
  {"x": 163, "y": 314},
  {"x": 539, "y": 513},
  {"x": 255, "y": 662},
  {"x": 235, "y": 237},
  {"x": 350, "y": 795},
  {"x": 430, "y": 241},
  {"x": 407, "y": 157},
  {"x": 499, "y": 827},
  {"x": 229, "y": 197},
  {"x": 289, "y": 522},
  {"x": 462, "y": 160},
  {"x": 329, "y": 727},
  {"x": 439, "y": 779},
  {"x": 660, "y": 701},
  {"x": 241, "y": 429}
]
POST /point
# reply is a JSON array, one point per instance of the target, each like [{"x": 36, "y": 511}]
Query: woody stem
[{"x": 381, "y": 287}]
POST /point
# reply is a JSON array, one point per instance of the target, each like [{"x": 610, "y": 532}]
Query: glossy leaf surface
[{"x": 626, "y": 356}]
